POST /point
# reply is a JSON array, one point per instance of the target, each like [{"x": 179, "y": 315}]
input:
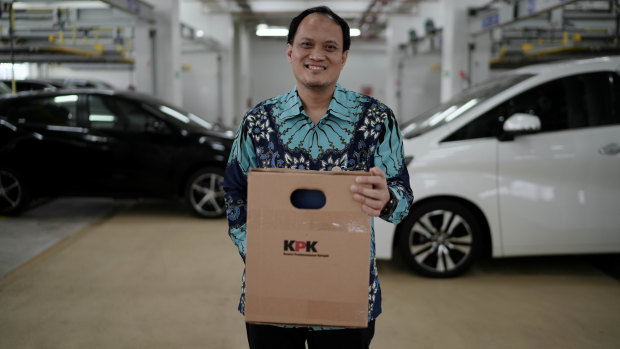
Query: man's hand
[{"x": 373, "y": 199}]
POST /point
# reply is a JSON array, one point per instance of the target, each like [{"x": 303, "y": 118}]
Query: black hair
[{"x": 346, "y": 36}]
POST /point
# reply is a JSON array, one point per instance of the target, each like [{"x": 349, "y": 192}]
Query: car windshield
[
  {"x": 458, "y": 105},
  {"x": 185, "y": 117},
  {"x": 190, "y": 119}
]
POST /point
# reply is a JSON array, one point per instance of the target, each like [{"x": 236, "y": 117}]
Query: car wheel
[
  {"x": 440, "y": 238},
  {"x": 204, "y": 193},
  {"x": 13, "y": 192}
]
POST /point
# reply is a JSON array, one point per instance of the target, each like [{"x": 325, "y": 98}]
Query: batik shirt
[{"x": 357, "y": 133}]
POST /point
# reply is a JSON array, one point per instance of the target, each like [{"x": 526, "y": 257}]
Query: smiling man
[{"x": 319, "y": 125}]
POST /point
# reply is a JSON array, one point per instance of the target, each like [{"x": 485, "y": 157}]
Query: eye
[{"x": 305, "y": 44}]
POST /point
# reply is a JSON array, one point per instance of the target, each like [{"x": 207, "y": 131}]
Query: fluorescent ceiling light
[
  {"x": 265, "y": 30},
  {"x": 101, "y": 118},
  {"x": 18, "y": 5},
  {"x": 65, "y": 99}
]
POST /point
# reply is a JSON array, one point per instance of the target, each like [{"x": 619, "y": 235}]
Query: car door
[
  {"x": 144, "y": 146},
  {"x": 558, "y": 193},
  {"x": 51, "y": 151}
]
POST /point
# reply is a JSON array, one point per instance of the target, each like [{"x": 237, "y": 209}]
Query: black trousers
[{"x": 274, "y": 337}]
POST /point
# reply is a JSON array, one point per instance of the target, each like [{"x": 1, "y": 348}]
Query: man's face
[{"x": 316, "y": 54}]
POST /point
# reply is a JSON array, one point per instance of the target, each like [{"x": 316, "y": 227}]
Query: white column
[
  {"x": 455, "y": 50},
  {"x": 397, "y": 33},
  {"x": 480, "y": 58},
  {"x": 221, "y": 27},
  {"x": 167, "y": 57},
  {"x": 244, "y": 79},
  {"x": 143, "y": 58}
]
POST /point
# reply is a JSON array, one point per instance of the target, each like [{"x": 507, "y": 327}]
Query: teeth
[{"x": 314, "y": 67}]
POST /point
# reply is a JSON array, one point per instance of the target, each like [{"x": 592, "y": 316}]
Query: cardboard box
[{"x": 306, "y": 267}]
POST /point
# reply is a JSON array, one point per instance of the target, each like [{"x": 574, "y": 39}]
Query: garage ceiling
[
  {"x": 100, "y": 31},
  {"x": 368, "y": 15},
  {"x": 288, "y": 7}
]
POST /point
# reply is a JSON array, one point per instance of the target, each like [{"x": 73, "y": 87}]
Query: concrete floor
[{"x": 152, "y": 276}]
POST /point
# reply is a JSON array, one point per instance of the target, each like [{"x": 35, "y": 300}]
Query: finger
[
  {"x": 373, "y": 193},
  {"x": 377, "y": 171},
  {"x": 370, "y": 211},
  {"x": 375, "y": 181},
  {"x": 368, "y": 201}
]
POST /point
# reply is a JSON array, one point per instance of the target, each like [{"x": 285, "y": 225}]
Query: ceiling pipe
[{"x": 369, "y": 23}]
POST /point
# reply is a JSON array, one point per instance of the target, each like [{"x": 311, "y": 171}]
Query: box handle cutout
[{"x": 308, "y": 199}]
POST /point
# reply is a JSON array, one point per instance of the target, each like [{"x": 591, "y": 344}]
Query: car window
[
  {"x": 101, "y": 114},
  {"x": 32, "y": 86},
  {"x": 450, "y": 110},
  {"x": 121, "y": 115},
  {"x": 55, "y": 110},
  {"x": 583, "y": 100},
  {"x": 486, "y": 125},
  {"x": 141, "y": 120}
]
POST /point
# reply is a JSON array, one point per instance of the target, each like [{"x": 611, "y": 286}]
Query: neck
[{"x": 316, "y": 100}]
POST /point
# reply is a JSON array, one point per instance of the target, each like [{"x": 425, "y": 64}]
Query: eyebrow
[{"x": 333, "y": 42}]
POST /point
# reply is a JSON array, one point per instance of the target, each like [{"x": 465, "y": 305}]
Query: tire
[
  {"x": 204, "y": 192},
  {"x": 440, "y": 239},
  {"x": 14, "y": 195}
]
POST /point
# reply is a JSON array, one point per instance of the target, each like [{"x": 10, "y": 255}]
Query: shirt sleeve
[
  {"x": 389, "y": 155},
  {"x": 242, "y": 158}
]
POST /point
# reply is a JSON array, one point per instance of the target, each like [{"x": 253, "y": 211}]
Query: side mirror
[{"x": 520, "y": 124}]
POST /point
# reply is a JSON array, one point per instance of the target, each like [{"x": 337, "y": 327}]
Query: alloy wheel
[
  {"x": 11, "y": 192},
  {"x": 440, "y": 240},
  {"x": 206, "y": 195}
]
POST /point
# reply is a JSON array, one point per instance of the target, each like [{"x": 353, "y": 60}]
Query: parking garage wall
[{"x": 271, "y": 73}]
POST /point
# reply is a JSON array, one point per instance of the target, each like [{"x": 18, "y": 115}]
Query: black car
[
  {"x": 33, "y": 85},
  {"x": 106, "y": 143}
]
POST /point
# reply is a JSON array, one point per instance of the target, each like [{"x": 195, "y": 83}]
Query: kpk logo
[
  {"x": 302, "y": 248},
  {"x": 294, "y": 245}
]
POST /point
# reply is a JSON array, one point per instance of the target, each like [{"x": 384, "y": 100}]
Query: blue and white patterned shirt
[{"x": 357, "y": 133}]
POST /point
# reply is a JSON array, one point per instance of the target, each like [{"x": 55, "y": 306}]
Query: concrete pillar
[
  {"x": 221, "y": 27},
  {"x": 455, "y": 47},
  {"x": 397, "y": 33},
  {"x": 480, "y": 68},
  {"x": 167, "y": 57},
  {"x": 143, "y": 74},
  {"x": 243, "y": 79}
]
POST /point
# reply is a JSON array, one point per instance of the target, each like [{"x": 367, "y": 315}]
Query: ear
[
  {"x": 289, "y": 52},
  {"x": 345, "y": 55}
]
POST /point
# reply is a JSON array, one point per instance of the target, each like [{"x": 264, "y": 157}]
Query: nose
[{"x": 317, "y": 54}]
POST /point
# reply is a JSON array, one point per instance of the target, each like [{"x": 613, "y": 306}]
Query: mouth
[{"x": 315, "y": 67}]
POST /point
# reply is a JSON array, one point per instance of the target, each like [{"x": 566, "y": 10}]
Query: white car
[{"x": 524, "y": 164}]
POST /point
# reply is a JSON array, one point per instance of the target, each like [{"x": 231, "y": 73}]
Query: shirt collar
[{"x": 292, "y": 106}]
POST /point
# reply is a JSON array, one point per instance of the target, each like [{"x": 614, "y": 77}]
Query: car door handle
[{"x": 610, "y": 149}]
